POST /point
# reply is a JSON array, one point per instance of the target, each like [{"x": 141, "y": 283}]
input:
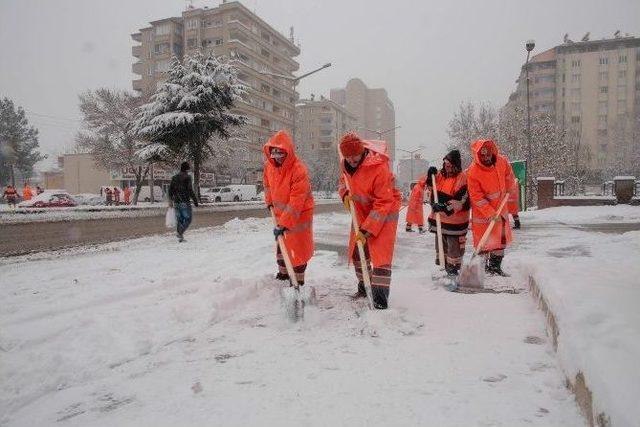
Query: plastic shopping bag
[{"x": 170, "y": 218}]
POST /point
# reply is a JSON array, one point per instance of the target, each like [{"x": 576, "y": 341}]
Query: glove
[
  {"x": 279, "y": 231},
  {"x": 347, "y": 201},
  {"x": 430, "y": 172},
  {"x": 516, "y": 222},
  {"x": 269, "y": 207},
  {"x": 362, "y": 236},
  {"x": 438, "y": 207}
]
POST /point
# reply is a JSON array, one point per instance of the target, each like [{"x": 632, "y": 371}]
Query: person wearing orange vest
[
  {"x": 27, "y": 194},
  {"x": 377, "y": 204},
  {"x": 11, "y": 195},
  {"x": 415, "y": 211},
  {"x": 490, "y": 178},
  {"x": 453, "y": 206},
  {"x": 287, "y": 189},
  {"x": 126, "y": 193}
]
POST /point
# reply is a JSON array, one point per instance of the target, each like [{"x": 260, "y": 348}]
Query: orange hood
[
  {"x": 283, "y": 141},
  {"x": 477, "y": 145}
]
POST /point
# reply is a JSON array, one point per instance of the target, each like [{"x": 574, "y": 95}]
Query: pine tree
[
  {"x": 108, "y": 132},
  {"x": 18, "y": 143},
  {"x": 191, "y": 107}
]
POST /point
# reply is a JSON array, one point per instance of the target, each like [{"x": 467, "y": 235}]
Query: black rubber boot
[
  {"x": 421, "y": 230},
  {"x": 494, "y": 266},
  {"x": 380, "y": 296},
  {"x": 452, "y": 270},
  {"x": 408, "y": 228},
  {"x": 361, "y": 293},
  {"x": 282, "y": 276}
]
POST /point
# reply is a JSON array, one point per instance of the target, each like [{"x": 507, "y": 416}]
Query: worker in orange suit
[
  {"x": 489, "y": 179},
  {"x": 376, "y": 203},
  {"x": 415, "y": 210},
  {"x": 287, "y": 190}
]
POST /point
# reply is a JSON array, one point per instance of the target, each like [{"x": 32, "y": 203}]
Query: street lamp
[
  {"x": 411, "y": 153},
  {"x": 529, "y": 45},
  {"x": 381, "y": 132},
  {"x": 295, "y": 81}
]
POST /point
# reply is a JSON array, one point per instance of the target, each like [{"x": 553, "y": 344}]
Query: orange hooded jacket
[
  {"x": 487, "y": 187},
  {"x": 288, "y": 190},
  {"x": 415, "y": 211},
  {"x": 27, "y": 194},
  {"x": 376, "y": 202}
]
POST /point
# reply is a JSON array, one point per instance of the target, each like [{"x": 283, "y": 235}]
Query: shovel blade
[
  {"x": 472, "y": 274},
  {"x": 292, "y": 303}
]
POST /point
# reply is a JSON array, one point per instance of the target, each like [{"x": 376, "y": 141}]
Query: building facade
[
  {"x": 233, "y": 31},
  {"x": 410, "y": 170},
  {"x": 372, "y": 108},
  {"x": 319, "y": 126},
  {"x": 592, "y": 90},
  {"x": 82, "y": 175}
]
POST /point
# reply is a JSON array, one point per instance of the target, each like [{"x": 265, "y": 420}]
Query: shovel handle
[
  {"x": 438, "y": 224},
  {"x": 285, "y": 253},
  {"x": 485, "y": 236}
]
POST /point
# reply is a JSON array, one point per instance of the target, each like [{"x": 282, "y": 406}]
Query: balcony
[
  {"x": 137, "y": 37},
  {"x": 273, "y": 50},
  {"x": 136, "y": 51},
  {"x": 138, "y": 85},
  {"x": 138, "y": 68}
]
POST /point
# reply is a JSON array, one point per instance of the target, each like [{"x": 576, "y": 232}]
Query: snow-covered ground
[
  {"x": 591, "y": 280},
  {"x": 152, "y": 332}
]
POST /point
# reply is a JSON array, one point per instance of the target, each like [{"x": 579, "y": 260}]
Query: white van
[
  {"x": 230, "y": 193},
  {"x": 145, "y": 193}
]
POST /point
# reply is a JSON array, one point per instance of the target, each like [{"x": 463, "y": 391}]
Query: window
[
  {"x": 161, "y": 48},
  {"x": 575, "y": 119},
  {"x": 211, "y": 42},
  {"x": 604, "y": 76},
  {"x": 604, "y": 61},
  {"x": 602, "y": 122},
  {"x": 575, "y": 78},
  {"x": 604, "y": 89},
  {"x": 162, "y": 30},
  {"x": 622, "y": 59},
  {"x": 622, "y": 74},
  {"x": 603, "y": 107},
  {"x": 602, "y": 132},
  {"x": 575, "y": 63},
  {"x": 192, "y": 24}
]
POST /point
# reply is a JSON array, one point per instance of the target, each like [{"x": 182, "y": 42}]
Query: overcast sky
[{"x": 430, "y": 56}]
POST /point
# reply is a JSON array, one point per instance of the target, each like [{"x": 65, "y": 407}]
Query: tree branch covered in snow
[
  {"x": 108, "y": 132},
  {"x": 190, "y": 117}
]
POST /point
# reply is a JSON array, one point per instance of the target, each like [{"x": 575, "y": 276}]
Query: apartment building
[
  {"x": 233, "y": 31},
  {"x": 592, "y": 89},
  {"x": 372, "y": 108},
  {"x": 319, "y": 125}
]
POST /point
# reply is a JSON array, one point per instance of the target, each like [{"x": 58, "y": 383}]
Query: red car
[{"x": 54, "y": 201}]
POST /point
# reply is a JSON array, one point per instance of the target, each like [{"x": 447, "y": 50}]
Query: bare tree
[
  {"x": 108, "y": 133},
  {"x": 467, "y": 125}
]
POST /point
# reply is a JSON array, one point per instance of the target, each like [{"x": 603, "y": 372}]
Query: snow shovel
[
  {"x": 438, "y": 225},
  {"x": 472, "y": 273},
  {"x": 363, "y": 260},
  {"x": 293, "y": 297}
]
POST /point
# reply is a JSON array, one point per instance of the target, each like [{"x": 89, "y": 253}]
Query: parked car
[
  {"x": 88, "y": 199},
  {"x": 50, "y": 199},
  {"x": 229, "y": 193}
]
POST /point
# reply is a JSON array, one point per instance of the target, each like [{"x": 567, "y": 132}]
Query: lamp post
[
  {"x": 411, "y": 153},
  {"x": 295, "y": 81},
  {"x": 381, "y": 132},
  {"x": 529, "y": 45}
]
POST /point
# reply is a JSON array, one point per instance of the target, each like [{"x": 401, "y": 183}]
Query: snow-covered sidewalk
[
  {"x": 591, "y": 281},
  {"x": 152, "y": 332}
]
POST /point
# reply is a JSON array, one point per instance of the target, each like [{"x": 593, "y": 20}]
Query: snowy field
[{"x": 152, "y": 332}]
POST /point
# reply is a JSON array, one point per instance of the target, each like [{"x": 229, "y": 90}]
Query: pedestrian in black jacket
[{"x": 180, "y": 195}]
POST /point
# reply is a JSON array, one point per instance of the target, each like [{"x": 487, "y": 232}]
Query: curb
[{"x": 578, "y": 385}]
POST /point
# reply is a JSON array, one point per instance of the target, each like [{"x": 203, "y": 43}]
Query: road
[{"x": 24, "y": 238}]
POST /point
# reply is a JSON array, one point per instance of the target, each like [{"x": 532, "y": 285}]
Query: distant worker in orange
[
  {"x": 287, "y": 189},
  {"x": 126, "y": 192},
  {"x": 415, "y": 210},
  {"x": 376, "y": 203},
  {"x": 490, "y": 178},
  {"x": 27, "y": 193}
]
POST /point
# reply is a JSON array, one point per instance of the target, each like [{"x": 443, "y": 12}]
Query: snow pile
[
  {"x": 583, "y": 215},
  {"x": 590, "y": 281},
  {"x": 153, "y": 332}
]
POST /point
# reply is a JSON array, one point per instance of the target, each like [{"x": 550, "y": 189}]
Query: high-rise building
[
  {"x": 230, "y": 30},
  {"x": 319, "y": 126},
  {"x": 592, "y": 89},
  {"x": 372, "y": 108}
]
